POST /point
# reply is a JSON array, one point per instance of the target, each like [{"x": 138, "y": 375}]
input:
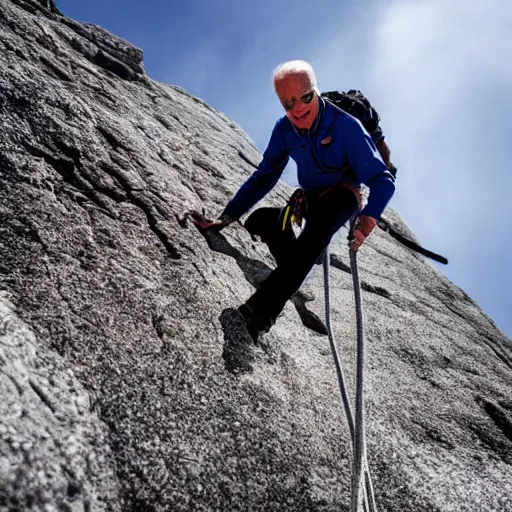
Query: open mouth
[{"x": 304, "y": 116}]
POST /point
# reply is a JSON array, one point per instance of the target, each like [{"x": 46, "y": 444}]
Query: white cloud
[
  {"x": 441, "y": 76},
  {"x": 438, "y": 66}
]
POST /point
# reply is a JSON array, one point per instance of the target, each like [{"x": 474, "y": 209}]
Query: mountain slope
[{"x": 127, "y": 390}]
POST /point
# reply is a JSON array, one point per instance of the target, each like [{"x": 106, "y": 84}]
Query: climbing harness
[
  {"x": 361, "y": 485},
  {"x": 295, "y": 210}
]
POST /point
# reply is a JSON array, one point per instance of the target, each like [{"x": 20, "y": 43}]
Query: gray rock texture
[
  {"x": 124, "y": 385},
  {"x": 55, "y": 453}
]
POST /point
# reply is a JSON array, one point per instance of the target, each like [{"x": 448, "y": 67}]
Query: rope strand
[
  {"x": 360, "y": 468},
  {"x": 359, "y": 441}
]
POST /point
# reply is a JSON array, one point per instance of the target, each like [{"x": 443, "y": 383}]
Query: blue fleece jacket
[{"x": 336, "y": 149}]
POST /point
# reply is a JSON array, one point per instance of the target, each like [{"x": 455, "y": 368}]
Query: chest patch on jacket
[{"x": 327, "y": 141}]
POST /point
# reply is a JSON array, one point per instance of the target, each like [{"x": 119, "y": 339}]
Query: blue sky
[{"x": 438, "y": 72}]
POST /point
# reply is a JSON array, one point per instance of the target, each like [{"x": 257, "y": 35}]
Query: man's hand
[
  {"x": 204, "y": 223},
  {"x": 385, "y": 153},
  {"x": 363, "y": 228}
]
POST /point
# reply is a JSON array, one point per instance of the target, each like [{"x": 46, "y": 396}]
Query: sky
[{"x": 437, "y": 71}]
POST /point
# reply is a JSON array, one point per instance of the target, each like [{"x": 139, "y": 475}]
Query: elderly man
[{"x": 334, "y": 156}]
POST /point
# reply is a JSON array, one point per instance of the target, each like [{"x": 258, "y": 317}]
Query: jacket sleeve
[
  {"x": 365, "y": 160},
  {"x": 261, "y": 182}
]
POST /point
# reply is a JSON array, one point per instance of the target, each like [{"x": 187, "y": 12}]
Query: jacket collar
[{"x": 316, "y": 123}]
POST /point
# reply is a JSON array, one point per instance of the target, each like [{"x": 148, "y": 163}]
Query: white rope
[{"x": 361, "y": 493}]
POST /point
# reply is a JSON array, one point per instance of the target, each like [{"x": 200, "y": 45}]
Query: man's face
[{"x": 298, "y": 99}]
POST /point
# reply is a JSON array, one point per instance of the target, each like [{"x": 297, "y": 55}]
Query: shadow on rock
[
  {"x": 336, "y": 262},
  {"x": 310, "y": 319},
  {"x": 238, "y": 343},
  {"x": 255, "y": 272}
]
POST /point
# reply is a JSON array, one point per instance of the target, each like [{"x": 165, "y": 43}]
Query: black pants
[{"x": 295, "y": 257}]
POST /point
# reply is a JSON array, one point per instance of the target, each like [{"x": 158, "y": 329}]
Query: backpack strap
[{"x": 355, "y": 103}]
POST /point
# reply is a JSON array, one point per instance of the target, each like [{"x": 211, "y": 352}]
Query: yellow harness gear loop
[{"x": 285, "y": 217}]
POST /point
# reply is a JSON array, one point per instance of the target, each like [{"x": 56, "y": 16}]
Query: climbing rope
[{"x": 361, "y": 492}]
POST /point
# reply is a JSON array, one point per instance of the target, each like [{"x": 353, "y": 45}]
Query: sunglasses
[{"x": 305, "y": 98}]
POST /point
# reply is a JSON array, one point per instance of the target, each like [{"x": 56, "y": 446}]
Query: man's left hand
[
  {"x": 363, "y": 228},
  {"x": 204, "y": 223}
]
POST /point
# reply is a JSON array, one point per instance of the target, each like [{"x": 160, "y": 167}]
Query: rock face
[
  {"x": 54, "y": 447},
  {"x": 122, "y": 386}
]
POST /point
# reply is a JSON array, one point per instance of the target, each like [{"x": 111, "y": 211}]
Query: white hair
[{"x": 296, "y": 67}]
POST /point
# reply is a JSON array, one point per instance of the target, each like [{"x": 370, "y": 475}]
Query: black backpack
[{"x": 356, "y": 104}]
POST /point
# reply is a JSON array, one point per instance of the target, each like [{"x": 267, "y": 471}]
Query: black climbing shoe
[{"x": 256, "y": 325}]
